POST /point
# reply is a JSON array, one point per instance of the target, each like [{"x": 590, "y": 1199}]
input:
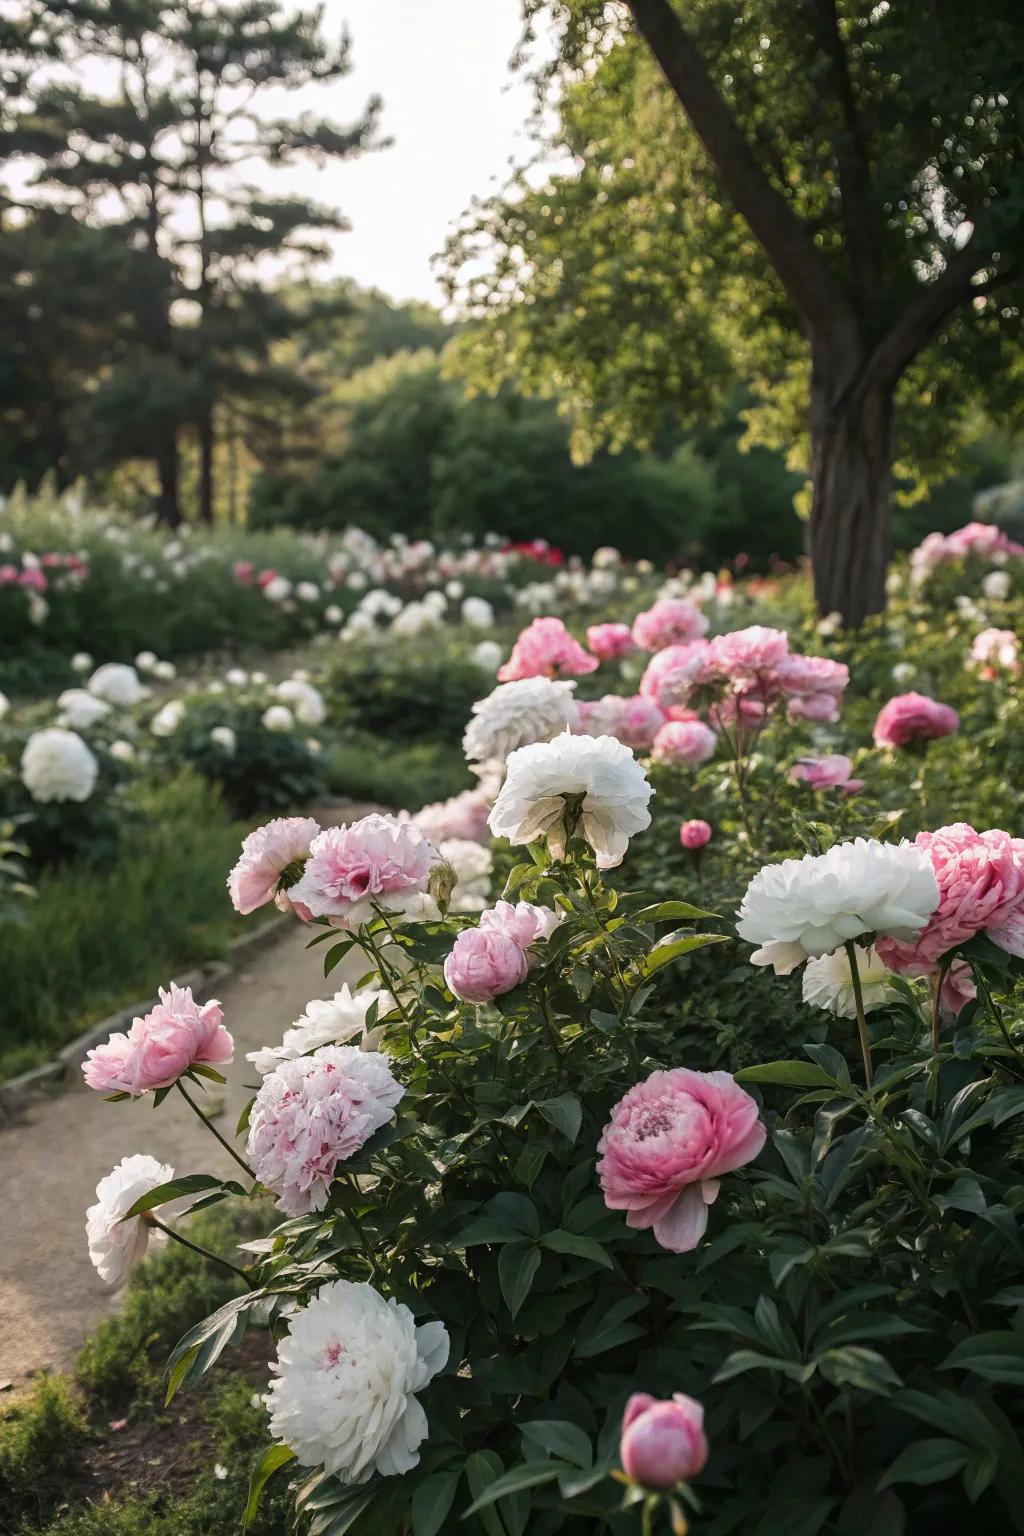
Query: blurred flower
[
  {"x": 56, "y": 765},
  {"x": 117, "y": 1245}
]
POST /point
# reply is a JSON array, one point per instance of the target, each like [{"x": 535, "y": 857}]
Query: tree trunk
[
  {"x": 851, "y": 479},
  {"x": 168, "y": 504},
  {"x": 206, "y": 446}
]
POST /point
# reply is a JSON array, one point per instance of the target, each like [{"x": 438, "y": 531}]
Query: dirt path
[{"x": 50, "y": 1295}]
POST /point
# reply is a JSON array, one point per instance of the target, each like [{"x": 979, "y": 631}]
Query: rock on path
[{"x": 50, "y": 1295}]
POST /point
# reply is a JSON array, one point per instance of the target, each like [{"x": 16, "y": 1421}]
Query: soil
[{"x": 50, "y": 1295}]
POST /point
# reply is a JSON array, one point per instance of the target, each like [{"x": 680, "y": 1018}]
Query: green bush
[
  {"x": 395, "y": 774},
  {"x": 40, "y": 1446},
  {"x": 98, "y": 937}
]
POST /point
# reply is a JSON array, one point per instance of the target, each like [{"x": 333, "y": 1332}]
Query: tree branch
[
  {"x": 814, "y": 291},
  {"x": 923, "y": 317},
  {"x": 852, "y": 159}
]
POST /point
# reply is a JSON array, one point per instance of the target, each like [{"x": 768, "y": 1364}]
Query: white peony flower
[
  {"x": 224, "y": 737},
  {"x": 333, "y": 614},
  {"x": 612, "y": 787},
  {"x": 165, "y": 671},
  {"x": 346, "y": 1376},
  {"x": 518, "y": 714},
  {"x": 828, "y": 982},
  {"x": 145, "y": 661},
  {"x": 903, "y": 672},
  {"x": 488, "y": 655},
  {"x": 115, "y": 1245},
  {"x": 996, "y": 586},
  {"x": 123, "y": 751},
  {"x": 5, "y": 705},
  {"x": 811, "y": 906},
  {"x": 307, "y": 591},
  {"x": 57, "y": 765},
  {"x": 236, "y": 677},
  {"x": 477, "y": 613},
  {"x": 336, "y": 1020},
  {"x": 81, "y": 661},
  {"x": 116, "y": 684},
  {"x": 166, "y": 720},
  {"x": 258, "y": 679},
  {"x": 277, "y": 589},
  {"x": 277, "y": 718},
  {"x": 79, "y": 709},
  {"x": 306, "y": 701}
]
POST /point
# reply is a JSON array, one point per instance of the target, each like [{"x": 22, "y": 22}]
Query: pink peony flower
[
  {"x": 464, "y": 816},
  {"x": 981, "y": 889},
  {"x": 522, "y": 921},
  {"x": 266, "y": 577},
  {"x": 958, "y": 990},
  {"x": 34, "y": 579},
  {"x": 668, "y": 1143},
  {"x": 484, "y": 963},
  {"x": 913, "y": 717},
  {"x": 811, "y": 674},
  {"x": 825, "y": 773},
  {"x": 243, "y": 572},
  {"x": 160, "y": 1047},
  {"x": 981, "y": 539},
  {"x": 749, "y": 659},
  {"x": 639, "y": 721},
  {"x": 663, "y": 1442},
  {"x": 995, "y": 648},
  {"x": 376, "y": 861},
  {"x": 684, "y": 741},
  {"x": 546, "y": 649},
  {"x": 266, "y": 854},
  {"x": 695, "y": 834},
  {"x": 609, "y": 641},
  {"x": 671, "y": 621},
  {"x": 313, "y": 1113},
  {"x": 673, "y": 674},
  {"x": 823, "y": 708}
]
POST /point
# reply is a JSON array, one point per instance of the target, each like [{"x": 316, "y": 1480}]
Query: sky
[{"x": 456, "y": 114}]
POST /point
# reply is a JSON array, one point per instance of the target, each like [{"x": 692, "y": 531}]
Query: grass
[
  {"x": 69, "y": 1467},
  {"x": 99, "y": 937}
]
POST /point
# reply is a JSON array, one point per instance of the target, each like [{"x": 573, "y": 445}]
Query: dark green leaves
[{"x": 274, "y": 1457}]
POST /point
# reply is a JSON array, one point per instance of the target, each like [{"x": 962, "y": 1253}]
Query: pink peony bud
[
  {"x": 484, "y": 963},
  {"x": 913, "y": 717},
  {"x": 695, "y": 834},
  {"x": 663, "y": 1443}
]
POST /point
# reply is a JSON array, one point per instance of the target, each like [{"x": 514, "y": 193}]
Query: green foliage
[
  {"x": 106, "y": 936},
  {"x": 41, "y": 1444},
  {"x": 383, "y": 771}
]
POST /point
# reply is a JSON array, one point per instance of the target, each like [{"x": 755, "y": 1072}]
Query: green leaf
[
  {"x": 483, "y": 1471},
  {"x": 201, "y": 1069},
  {"x": 854, "y": 1366},
  {"x": 517, "y": 1266},
  {"x": 579, "y": 1247},
  {"x": 560, "y": 1439},
  {"x": 666, "y": 911},
  {"x": 927, "y": 1461},
  {"x": 565, "y": 1113},
  {"x": 671, "y": 948},
  {"x": 174, "y": 1189},
  {"x": 532, "y": 1474},
  {"x": 274, "y": 1457},
  {"x": 431, "y": 1502},
  {"x": 742, "y": 1360},
  {"x": 789, "y": 1074},
  {"x": 607, "y": 1023},
  {"x": 994, "y": 1356}
]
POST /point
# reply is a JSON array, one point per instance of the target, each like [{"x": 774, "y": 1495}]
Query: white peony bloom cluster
[
  {"x": 117, "y": 684},
  {"x": 828, "y": 982},
  {"x": 600, "y": 772},
  {"x": 487, "y": 655},
  {"x": 333, "y": 1020},
  {"x": 477, "y": 613},
  {"x": 306, "y": 702},
  {"x": 116, "y": 1245},
  {"x": 516, "y": 715},
  {"x": 346, "y": 1376},
  {"x": 57, "y": 765},
  {"x": 79, "y": 709},
  {"x": 224, "y": 737},
  {"x": 805, "y": 907}
]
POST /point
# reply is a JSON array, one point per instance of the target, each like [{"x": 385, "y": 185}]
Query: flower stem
[
  {"x": 858, "y": 998},
  {"x": 213, "y": 1129},
  {"x": 205, "y": 1253},
  {"x": 937, "y": 1002}
]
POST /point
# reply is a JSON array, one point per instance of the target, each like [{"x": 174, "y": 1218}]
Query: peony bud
[
  {"x": 441, "y": 882},
  {"x": 695, "y": 834},
  {"x": 663, "y": 1443},
  {"x": 484, "y": 963}
]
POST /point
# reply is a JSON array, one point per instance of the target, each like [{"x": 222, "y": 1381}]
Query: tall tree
[
  {"x": 162, "y": 153},
  {"x": 842, "y": 187}
]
